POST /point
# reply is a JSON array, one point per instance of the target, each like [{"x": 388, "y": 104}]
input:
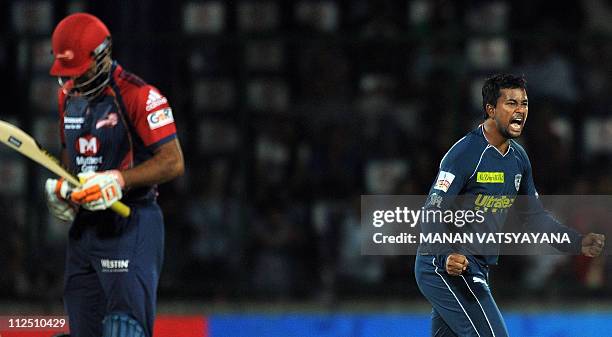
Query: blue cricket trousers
[
  {"x": 462, "y": 305},
  {"x": 113, "y": 266}
]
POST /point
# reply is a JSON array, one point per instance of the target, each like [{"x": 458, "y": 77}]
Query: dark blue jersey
[
  {"x": 489, "y": 181},
  {"x": 119, "y": 130}
]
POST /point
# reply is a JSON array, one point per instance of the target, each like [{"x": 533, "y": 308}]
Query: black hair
[{"x": 492, "y": 86}]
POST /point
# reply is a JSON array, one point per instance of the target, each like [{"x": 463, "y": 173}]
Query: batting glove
[
  {"x": 99, "y": 190},
  {"x": 58, "y": 193}
]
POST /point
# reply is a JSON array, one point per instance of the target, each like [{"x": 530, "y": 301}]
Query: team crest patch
[
  {"x": 517, "y": 181},
  {"x": 445, "y": 179}
]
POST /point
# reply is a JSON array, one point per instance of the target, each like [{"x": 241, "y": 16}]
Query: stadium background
[{"x": 288, "y": 111}]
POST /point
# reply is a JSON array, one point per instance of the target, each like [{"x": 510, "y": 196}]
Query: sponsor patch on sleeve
[
  {"x": 159, "y": 118},
  {"x": 155, "y": 99},
  {"x": 434, "y": 200},
  {"x": 444, "y": 181}
]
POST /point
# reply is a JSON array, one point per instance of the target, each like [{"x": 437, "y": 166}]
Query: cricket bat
[{"x": 23, "y": 143}]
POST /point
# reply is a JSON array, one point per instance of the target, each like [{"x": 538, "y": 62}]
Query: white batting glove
[
  {"x": 99, "y": 191},
  {"x": 58, "y": 194}
]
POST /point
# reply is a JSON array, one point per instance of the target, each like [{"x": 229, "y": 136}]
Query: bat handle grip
[{"x": 121, "y": 209}]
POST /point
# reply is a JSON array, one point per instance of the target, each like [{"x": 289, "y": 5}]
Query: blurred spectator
[
  {"x": 16, "y": 276},
  {"x": 277, "y": 237},
  {"x": 549, "y": 73},
  {"x": 353, "y": 266},
  {"x": 597, "y": 14},
  {"x": 337, "y": 165}
]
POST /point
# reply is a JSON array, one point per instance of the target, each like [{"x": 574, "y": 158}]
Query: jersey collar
[{"x": 481, "y": 127}]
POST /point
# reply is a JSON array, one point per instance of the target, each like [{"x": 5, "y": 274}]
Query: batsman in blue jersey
[{"x": 486, "y": 163}]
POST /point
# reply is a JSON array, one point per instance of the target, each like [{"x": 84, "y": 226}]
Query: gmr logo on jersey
[
  {"x": 87, "y": 145},
  {"x": 114, "y": 266},
  {"x": 160, "y": 118}
]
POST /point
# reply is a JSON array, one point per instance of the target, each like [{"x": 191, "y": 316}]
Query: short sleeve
[{"x": 152, "y": 117}]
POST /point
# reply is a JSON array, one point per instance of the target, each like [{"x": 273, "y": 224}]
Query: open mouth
[{"x": 516, "y": 123}]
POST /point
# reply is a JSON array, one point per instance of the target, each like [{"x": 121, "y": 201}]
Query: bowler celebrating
[{"x": 487, "y": 162}]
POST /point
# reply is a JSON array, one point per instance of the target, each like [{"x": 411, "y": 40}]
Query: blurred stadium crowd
[{"x": 288, "y": 111}]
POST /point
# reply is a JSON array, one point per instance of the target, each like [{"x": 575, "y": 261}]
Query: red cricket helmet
[{"x": 77, "y": 41}]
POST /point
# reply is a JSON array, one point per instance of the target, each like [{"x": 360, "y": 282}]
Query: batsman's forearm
[{"x": 165, "y": 165}]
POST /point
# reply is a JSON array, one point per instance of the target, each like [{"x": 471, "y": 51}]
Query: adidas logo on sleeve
[{"x": 154, "y": 100}]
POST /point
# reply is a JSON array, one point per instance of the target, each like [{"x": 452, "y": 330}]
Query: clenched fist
[
  {"x": 456, "y": 264},
  {"x": 593, "y": 244}
]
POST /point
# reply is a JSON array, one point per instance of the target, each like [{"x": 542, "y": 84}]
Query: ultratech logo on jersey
[
  {"x": 114, "y": 266},
  {"x": 73, "y": 123},
  {"x": 159, "y": 118},
  {"x": 493, "y": 203},
  {"x": 154, "y": 100}
]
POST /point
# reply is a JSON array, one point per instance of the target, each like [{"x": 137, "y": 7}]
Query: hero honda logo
[{"x": 88, "y": 145}]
